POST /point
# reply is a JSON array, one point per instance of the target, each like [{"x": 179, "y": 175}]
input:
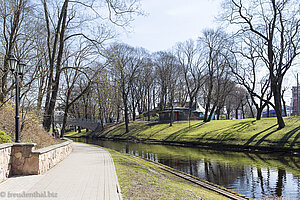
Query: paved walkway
[{"x": 88, "y": 174}]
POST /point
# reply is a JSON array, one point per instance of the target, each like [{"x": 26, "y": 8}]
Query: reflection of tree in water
[
  {"x": 222, "y": 173},
  {"x": 253, "y": 181},
  {"x": 219, "y": 173},
  {"x": 279, "y": 184},
  {"x": 261, "y": 180},
  {"x": 254, "y": 175}
]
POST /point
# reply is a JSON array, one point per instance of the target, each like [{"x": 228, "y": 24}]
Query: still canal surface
[{"x": 254, "y": 175}]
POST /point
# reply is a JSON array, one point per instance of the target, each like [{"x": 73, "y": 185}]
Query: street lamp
[{"x": 17, "y": 68}]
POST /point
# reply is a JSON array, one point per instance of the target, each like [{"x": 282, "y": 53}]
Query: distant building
[
  {"x": 182, "y": 113},
  {"x": 272, "y": 112},
  {"x": 197, "y": 111},
  {"x": 179, "y": 114},
  {"x": 295, "y": 101},
  {"x": 265, "y": 114}
]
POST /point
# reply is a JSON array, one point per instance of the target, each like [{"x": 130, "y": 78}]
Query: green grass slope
[
  {"x": 76, "y": 133},
  {"x": 242, "y": 132}
]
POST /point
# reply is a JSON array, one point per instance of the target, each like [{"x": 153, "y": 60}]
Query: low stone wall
[
  {"x": 50, "y": 156},
  {"x": 5, "y": 161},
  {"x": 22, "y": 159}
]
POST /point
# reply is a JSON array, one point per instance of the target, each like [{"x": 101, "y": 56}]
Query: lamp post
[{"x": 17, "y": 69}]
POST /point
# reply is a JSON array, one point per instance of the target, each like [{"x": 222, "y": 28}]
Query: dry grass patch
[{"x": 30, "y": 129}]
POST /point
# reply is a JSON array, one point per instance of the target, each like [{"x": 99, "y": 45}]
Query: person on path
[{"x": 58, "y": 132}]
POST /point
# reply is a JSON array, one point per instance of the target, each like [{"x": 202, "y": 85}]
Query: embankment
[{"x": 243, "y": 134}]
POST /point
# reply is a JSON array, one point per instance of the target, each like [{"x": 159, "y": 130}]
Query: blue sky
[{"x": 170, "y": 21}]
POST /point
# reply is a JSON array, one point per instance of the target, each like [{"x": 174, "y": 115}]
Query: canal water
[{"x": 255, "y": 175}]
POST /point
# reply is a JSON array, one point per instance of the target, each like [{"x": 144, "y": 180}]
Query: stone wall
[
  {"x": 5, "y": 161},
  {"x": 50, "y": 156},
  {"x": 22, "y": 159},
  {"x": 20, "y": 156}
]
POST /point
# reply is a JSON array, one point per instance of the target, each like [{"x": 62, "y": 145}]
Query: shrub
[
  {"x": 4, "y": 138},
  {"x": 30, "y": 129}
]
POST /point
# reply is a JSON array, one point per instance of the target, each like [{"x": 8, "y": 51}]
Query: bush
[
  {"x": 4, "y": 138},
  {"x": 30, "y": 129}
]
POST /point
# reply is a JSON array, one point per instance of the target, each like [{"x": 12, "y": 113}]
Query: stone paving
[{"x": 87, "y": 173}]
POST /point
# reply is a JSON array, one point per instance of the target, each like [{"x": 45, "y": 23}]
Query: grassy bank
[
  {"x": 242, "y": 132},
  {"x": 76, "y": 133},
  {"x": 142, "y": 180}
]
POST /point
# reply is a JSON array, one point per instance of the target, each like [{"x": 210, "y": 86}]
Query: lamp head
[
  {"x": 12, "y": 62},
  {"x": 21, "y": 66}
]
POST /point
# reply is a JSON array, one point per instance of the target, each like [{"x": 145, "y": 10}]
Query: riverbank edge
[
  {"x": 205, "y": 184},
  {"x": 214, "y": 146}
]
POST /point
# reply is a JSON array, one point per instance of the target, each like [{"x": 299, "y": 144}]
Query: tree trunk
[
  {"x": 243, "y": 111},
  {"x": 100, "y": 116},
  {"x": 124, "y": 96},
  {"x": 228, "y": 115},
  {"x": 49, "y": 112},
  {"x": 149, "y": 100},
  {"x": 284, "y": 106},
  {"x": 206, "y": 112},
  {"x": 39, "y": 100},
  {"x": 63, "y": 128},
  {"x": 153, "y": 98},
  {"x": 118, "y": 114},
  {"x": 251, "y": 109},
  {"x": 133, "y": 106},
  {"x": 171, "y": 116},
  {"x": 190, "y": 110},
  {"x": 101, "y": 123},
  {"x": 126, "y": 116},
  {"x": 218, "y": 112},
  {"x": 211, "y": 113},
  {"x": 259, "y": 112},
  {"x": 276, "y": 89},
  {"x": 208, "y": 102}
]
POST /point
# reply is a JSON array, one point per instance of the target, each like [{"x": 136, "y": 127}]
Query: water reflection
[{"x": 254, "y": 175}]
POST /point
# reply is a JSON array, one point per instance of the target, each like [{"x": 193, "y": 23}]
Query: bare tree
[
  {"x": 124, "y": 62},
  {"x": 63, "y": 26},
  {"x": 167, "y": 74},
  {"x": 190, "y": 59},
  {"x": 216, "y": 45},
  {"x": 12, "y": 15},
  {"x": 78, "y": 71},
  {"x": 246, "y": 65},
  {"x": 19, "y": 26},
  {"x": 274, "y": 23}
]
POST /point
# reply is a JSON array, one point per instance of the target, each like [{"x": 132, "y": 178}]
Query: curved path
[{"x": 87, "y": 173}]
